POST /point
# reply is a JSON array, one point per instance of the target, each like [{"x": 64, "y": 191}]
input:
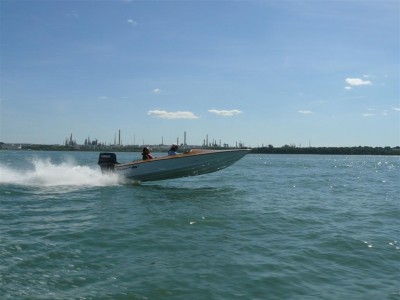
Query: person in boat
[
  {"x": 146, "y": 154},
  {"x": 173, "y": 149}
]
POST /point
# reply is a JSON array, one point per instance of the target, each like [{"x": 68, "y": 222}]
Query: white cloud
[
  {"x": 357, "y": 81},
  {"x": 157, "y": 91},
  {"x": 305, "y": 112},
  {"x": 172, "y": 114},
  {"x": 103, "y": 98},
  {"x": 396, "y": 108},
  {"x": 225, "y": 113},
  {"x": 368, "y": 115},
  {"x": 132, "y": 22},
  {"x": 348, "y": 87}
]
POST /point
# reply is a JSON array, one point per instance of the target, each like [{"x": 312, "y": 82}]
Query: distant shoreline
[
  {"x": 360, "y": 150},
  {"x": 330, "y": 150}
]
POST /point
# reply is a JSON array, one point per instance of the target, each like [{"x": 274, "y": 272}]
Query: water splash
[{"x": 43, "y": 172}]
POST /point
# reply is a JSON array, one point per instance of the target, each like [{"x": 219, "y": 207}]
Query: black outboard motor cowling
[{"x": 107, "y": 162}]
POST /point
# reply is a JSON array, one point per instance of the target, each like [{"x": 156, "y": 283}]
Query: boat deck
[{"x": 191, "y": 152}]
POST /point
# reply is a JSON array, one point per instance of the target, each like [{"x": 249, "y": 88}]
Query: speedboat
[{"x": 190, "y": 163}]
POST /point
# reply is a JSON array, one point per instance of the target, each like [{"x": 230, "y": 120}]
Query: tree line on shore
[
  {"x": 287, "y": 149},
  {"x": 360, "y": 150}
]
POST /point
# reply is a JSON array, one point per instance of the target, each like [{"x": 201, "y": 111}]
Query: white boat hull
[{"x": 193, "y": 163}]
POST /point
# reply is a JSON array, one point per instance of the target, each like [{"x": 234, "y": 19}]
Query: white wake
[{"x": 43, "y": 172}]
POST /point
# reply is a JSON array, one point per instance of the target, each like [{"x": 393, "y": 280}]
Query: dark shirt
[{"x": 172, "y": 152}]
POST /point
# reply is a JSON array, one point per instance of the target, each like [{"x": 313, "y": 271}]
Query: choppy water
[{"x": 268, "y": 227}]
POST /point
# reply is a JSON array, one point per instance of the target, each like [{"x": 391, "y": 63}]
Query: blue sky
[{"x": 324, "y": 73}]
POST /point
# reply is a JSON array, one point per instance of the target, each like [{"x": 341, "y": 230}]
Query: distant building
[
  {"x": 70, "y": 142},
  {"x": 6, "y": 146}
]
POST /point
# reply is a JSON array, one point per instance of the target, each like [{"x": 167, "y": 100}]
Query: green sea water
[{"x": 268, "y": 227}]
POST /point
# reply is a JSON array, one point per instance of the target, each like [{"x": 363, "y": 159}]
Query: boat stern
[{"x": 107, "y": 162}]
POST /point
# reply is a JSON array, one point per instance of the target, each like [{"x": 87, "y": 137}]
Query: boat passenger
[
  {"x": 146, "y": 154},
  {"x": 173, "y": 149}
]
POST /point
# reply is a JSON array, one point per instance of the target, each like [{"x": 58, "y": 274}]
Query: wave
[{"x": 43, "y": 172}]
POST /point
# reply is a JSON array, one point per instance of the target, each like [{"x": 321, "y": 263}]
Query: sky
[{"x": 305, "y": 73}]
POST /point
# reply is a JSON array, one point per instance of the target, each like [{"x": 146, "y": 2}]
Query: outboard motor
[{"x": 107, "y": 162}]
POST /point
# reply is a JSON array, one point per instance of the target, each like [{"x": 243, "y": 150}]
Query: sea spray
[{"x": 44, "y": 172}]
